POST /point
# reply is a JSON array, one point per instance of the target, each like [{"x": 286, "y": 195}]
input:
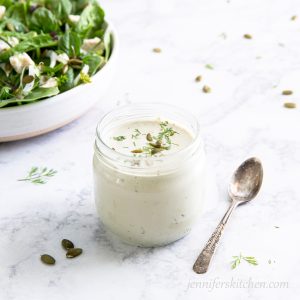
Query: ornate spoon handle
[{"x": 202, "y": 263}]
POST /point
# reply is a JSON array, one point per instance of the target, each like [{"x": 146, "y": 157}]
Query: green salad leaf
[{"x": 48, "y": 47}]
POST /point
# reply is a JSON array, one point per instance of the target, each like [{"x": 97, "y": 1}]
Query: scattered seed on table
[
  {"x": 206, "y": 89},
  {"x": 287, "y": 92},
  {"x": 156, "y": 50},
  {"x": 73, "y": 252},
  {"x": 47, "y": 259},
  {"x": 248, "y": 36},
  {"x": 290, "y": 105},
  {"x": 198, "y": 78},
  {"x": 67, "y": 244}
]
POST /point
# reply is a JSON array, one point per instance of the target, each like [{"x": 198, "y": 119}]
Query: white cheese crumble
[
  {"x": 20, "y": 61},
  {"x": 10, "y": 41},
  {"x": 91, "y": 44},
  {"x": 46, "y": 82},
  {"x": 2, "y": 11},
  {"x": 54, "y": 58},
  {"x": 74, "y": 18}
]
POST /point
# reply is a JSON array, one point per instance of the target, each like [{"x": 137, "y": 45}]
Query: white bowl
[{"x": 37, "y": 118}]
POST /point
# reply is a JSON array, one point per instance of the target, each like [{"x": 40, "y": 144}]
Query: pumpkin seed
[
  {"x": 156, "y": 150},
  {"x": 290, "y": 105},
  {"x": 47, "y": 259},
  {"x": 156, "y": 145},
  {"x": 137, "y": 151},
  {"x": 73, "y": 252},
  {"x": 287, "y": 92},
  {"x": 67, "y": 244},
  {"x": 206, "y": 89},
  {"x": 198, "y": 78},
  {"x": 27, "y": 79},
  {"x": 149, "y": 137},
  {"x": 156, "y": 50},
  {"x": 248, "y": 36},
  {"x": 293, "y": 18}
]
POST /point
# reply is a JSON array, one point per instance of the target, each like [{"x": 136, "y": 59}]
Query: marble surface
[{"x": 242, "y": 117}]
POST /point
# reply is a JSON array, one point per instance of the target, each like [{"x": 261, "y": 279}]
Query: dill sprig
[
  {"x": 119, "y": 138},
  {"x": 38, "y": 175},
  {"x": 238, "y": 259}
]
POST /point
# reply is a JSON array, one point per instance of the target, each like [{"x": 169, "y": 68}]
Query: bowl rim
[{"x": 60, "y": 97}]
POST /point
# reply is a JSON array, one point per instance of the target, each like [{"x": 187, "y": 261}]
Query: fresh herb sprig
[
  {"x": 38, "y": 175},
  {"x": 119, "y": 138},
  {"x": 238, "y": 259},
  {"x": 156, "y": 144}
]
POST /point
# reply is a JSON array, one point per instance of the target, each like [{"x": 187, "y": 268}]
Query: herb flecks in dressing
[{"x": 149, "y": 138}]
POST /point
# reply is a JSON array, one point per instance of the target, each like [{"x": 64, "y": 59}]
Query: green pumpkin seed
[
  {"x": 198, "y": 78},
  {"x": 290, "y": 105},
  {"x": 47, "y": 259},
  {"x": 248, "y": 36},
  {"x": 73, "y": 252},
  {"x": 156, "y": 50},
  {"x": 67, "y": 244},
  {"x": 206, "y": 89},
  {"x": 149, "y": 137},
  {"x": 137, "y": 151},
  {"x": 27, "y": 79},
  {"x": 156, "y": 150},
  {"x": 287, "y": 92}
]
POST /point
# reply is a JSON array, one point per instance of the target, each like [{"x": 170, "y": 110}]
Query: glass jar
[{"x": 149, "y": 201}]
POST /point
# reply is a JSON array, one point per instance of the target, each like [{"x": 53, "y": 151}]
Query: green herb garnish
[
  {"x": 208, "y": 66},
  {"x": 136, "y": 134},
  {"x": 119, "y": 138},
  {"x": 237, "y": 260},
  {"x": 156, "y": 144},
  {"x": 39, "y": 175}
]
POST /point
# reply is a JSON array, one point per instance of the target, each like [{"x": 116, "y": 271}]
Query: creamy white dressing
[
  {"x": 156, "y": 205},
  {"x": 144, "y": 135}
]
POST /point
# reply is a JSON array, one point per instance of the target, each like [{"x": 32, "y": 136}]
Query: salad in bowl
[{"x": 48, "y": 47}]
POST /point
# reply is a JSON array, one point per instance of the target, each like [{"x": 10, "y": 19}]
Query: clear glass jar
[{"x": 150, "y": 201}]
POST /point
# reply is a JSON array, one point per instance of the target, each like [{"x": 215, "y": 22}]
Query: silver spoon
[{"x": 245, "y": 184}]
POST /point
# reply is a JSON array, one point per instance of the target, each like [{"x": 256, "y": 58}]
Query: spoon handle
[{"x": 202, "y": 263}]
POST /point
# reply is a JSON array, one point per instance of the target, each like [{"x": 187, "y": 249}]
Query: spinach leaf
[
  {"x": 18, "y": 12},
  {"x": 68, "y": 82},
  {"x": 6, "y": 3},
  {"x": 91, "y": 19},
  {"x": 70, "y": 44},
  {"x": 61, "y": 8},
  {"x": 36, "y": 94},
  {"x": 40, "y": 41},
  {"x": 94, "y": 62},
  {"x": 43, "y": 20}
]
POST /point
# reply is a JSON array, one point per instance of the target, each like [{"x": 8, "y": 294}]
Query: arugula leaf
[
  {"x": 70, "y": 44},
  {"x": 19, "y": 35},
  {"x": 36, "y": 94},
  {"x": 40, "y": 41},
  {"x": 43, "y": 20}
]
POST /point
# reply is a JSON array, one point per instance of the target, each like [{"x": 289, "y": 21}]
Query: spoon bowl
[{"x": 246, "y": 180}]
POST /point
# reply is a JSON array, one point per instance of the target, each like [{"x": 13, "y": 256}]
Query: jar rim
[{"x": 110, "y": 153}]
